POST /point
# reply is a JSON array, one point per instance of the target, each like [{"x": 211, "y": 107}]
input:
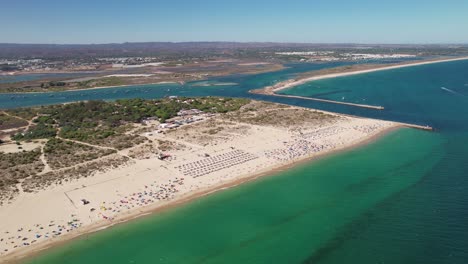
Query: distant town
[
  {"x": 13, "y": 66},
  {"x": 17, "y": 58}
]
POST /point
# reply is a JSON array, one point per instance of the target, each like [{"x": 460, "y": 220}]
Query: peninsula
[
  {"x": 345, "y": 71},
  {"x": 96, "y": 164}
]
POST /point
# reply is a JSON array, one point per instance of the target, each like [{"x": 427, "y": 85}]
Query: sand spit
[
  {"x": 223, "y": 151},
  {"x": 291, "y": 83}
]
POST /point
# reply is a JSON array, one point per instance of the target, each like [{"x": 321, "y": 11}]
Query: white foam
[{"x": 451, "y": 91}]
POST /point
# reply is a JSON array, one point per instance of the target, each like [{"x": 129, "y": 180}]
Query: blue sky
[{"x": 317, "y": 21}]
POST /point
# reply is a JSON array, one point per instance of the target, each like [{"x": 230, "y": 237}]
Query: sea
[{"x": 400, "y": 199}]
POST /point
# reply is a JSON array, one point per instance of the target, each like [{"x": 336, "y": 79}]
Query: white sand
[
  {"x": 36, "y": 220},
  {"x": 27, "y": 146},
  {"x": 291, "y": 83}
]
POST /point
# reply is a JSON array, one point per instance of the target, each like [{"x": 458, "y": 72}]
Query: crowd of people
[
  {"x": 296, "y": 149},
  {"x": 315, "y": 141},
  {"x": 215, "y": 163},
  {"x": 323, "y": 132},
  {"x": 301, "y": 145},
  {"x": 27, "y": 236},
  {"x": 368, "y": 129},
  {"x": 106, "y": 210},
  {"x": 151, "y": 193}
]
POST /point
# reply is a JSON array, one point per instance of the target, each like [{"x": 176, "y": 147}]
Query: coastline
[
  {"x": 49, "y": 72},
  {"x": 33, "y": 250},
  {"x": 116, "y": 86},
  {"x": 94, "y": 88},
  {"x": 181, "y": 82},
  {"x": 292, "y": 83}
]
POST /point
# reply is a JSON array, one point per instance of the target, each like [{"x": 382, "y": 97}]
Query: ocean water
[
  {"x": 401, "y": 199},
  {"x": 287, "y": 218}
]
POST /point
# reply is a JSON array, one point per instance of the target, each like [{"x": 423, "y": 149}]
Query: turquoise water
[
  {"x": 285, "y": 218},
  {"x": 402, "y": 199},
  {"x": 436, "y": 94}
]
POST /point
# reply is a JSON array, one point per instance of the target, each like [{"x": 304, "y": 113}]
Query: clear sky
[{"x": 317, "y": 21}]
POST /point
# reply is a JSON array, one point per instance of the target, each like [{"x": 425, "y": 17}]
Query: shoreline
[
  {"x": 18, "y": 73},
  {"x": 292, "y": 83},
  {"x": 116, "y": 86},
  {"x": 150, "y": 210},
  {"x": 181, "y": 82},
  {"x": 94, "y": 88}
]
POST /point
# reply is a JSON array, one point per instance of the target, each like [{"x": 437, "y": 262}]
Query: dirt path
[
  {"x": 30, "y": 123},
  {"x": 87, "y": 144},
  {"x": 47, "y": 168},
  {"x": 78, "y": 164}
]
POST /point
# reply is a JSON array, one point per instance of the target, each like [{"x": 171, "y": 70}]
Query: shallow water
[
  {"x": 286, "y": 218},
  {"x": 241, "y": 84},
  {"x": 402, "y": 199}
]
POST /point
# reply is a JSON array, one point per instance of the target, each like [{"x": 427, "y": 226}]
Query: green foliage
[
  {"x": 92, "y": 121},
  {"x": 61, "y": 153},
  {"x": 95, "y": 122},
  {"x": 17, "y": 166},
  {"x": 8, "y": 160},
  {"x": 45, "y": 120},
  {"x": 109, "y": 81},
  {"x": 41, "y": 130},
  {"x": 53, "y": 84}
]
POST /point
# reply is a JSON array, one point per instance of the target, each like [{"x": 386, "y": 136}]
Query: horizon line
[{"x": 238, "y": 42}]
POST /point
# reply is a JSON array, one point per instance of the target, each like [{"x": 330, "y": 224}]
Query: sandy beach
[
  {"x": 291, "y": 83},
  {"x": 201, "y": 162}
]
